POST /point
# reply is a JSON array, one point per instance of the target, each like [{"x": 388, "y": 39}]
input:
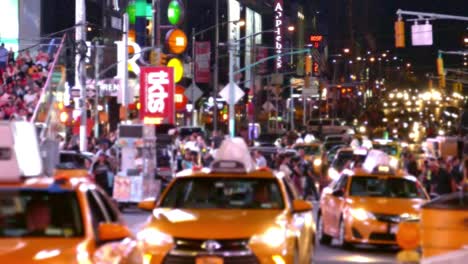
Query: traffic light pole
[
  {"x": 96, "y": 88},
  {"x": 424, "y": 16},
  {"x": 216, "y": 70}
]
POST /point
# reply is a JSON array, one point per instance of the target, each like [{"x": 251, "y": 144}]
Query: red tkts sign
[{"x": 157, "y": 95}]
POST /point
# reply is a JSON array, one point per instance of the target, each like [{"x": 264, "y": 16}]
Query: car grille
[
  {"x": 233, "y": 251},
  {"x": 388, "y": 218},
  {"x": 382, "y": 236},
  {"x": 170, "y": 259},
  {"x": 225, "y": 244}
]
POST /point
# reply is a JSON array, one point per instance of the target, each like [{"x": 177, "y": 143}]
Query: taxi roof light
[
  {"x": 228, "y": 166},
  {"x": 233, "y": 150}
]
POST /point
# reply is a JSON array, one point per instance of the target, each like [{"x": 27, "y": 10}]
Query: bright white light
[{"x": 153, "y": 237}]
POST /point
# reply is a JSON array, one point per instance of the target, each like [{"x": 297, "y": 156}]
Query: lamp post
[{"x": 215, "y": 83}]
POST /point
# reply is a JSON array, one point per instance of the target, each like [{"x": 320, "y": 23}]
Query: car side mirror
[
  {"x": 113, "y": 231},
  {"x": 300, "y": 206},
  {"x": 147, "y": 204},
  {"x": 338, "y": 193}
]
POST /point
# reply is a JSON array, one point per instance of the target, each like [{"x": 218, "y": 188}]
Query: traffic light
[
  {"x": 457, "y": 87},
  {"x": 224, "y": 113},
  {"x": 176, "y": 39},
  {"x": 440, "y": 66},
  {"x": 440, "y": 71},
  {"x": 442, "y": 83},
  {"x": 399, "y": 33},
  {"x": 308, "y": 65}
]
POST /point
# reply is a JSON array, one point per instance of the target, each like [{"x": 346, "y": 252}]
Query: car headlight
[
  {"x": 393, "y": 162},
  {"x": 409, "y": 217},
  {"x": 361, "y": 214},
  {"x": 273, "y": 237},
  {"x": 153, "y": 237},
  {"x": 317, "y": 162},
  {"x": 333, "y": 174}
]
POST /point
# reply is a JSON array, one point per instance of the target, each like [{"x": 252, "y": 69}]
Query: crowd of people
[
  {"x": 197, "y": 153},
  {"x": 438, "y": 175},
  {"x": 22, "y": 77}
]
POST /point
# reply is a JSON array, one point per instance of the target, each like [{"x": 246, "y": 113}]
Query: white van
[{"x": 329, "y": 126}]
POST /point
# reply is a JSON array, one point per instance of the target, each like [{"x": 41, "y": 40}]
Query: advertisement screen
[{"x": 10, "y": 26}]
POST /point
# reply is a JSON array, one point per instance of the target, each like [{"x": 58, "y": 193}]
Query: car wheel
[
  {"x": 323, "y": 238},
  {"x": 341, "y": 236}
]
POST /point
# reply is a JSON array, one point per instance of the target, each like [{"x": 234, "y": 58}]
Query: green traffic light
[{"x": 175, "y": 12}]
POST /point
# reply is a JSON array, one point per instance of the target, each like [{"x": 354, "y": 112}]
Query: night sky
[{"x": 373, "y": 28}]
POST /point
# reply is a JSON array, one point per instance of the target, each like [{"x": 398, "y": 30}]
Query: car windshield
[
  {"x": 389, "y": 149},
  {"x": 224, "y": 193},
  {"x": 329, "y": 145},
  {"x": 73, "y": 161},
  {"x": 39, "y": 213},
  {"x": 310, "y": 149},
  {"x": 341, "y": 159},
  {"x": 391, "y": 187}
]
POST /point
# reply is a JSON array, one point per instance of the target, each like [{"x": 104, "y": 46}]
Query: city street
[{"x": 323, "y": 255}]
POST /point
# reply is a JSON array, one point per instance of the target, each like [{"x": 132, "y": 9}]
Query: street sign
[
  {"x": 193, "y": 93},
  {"x": 277, "y": 79},
  {"x": 75, "y": 93},
  {"x": 238, "y": 93},
  {"x": 268, "y": 106}
]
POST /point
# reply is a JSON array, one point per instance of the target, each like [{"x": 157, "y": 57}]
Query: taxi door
[
  {"x": 336, "y": 203},
  {"x": 302, "y": 222}
]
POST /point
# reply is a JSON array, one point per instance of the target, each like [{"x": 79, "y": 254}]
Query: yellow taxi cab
[
  {"x": 228, "y": 214},
  {"x": 74, "y": 164},
  {"x": 47, "y": 219},
  {"x": 366, "y": 206},
  {"x": 313, "y": 153},
  {"x": 51, "y": 220}
]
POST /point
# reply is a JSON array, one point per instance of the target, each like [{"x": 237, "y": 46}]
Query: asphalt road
[{"x": 136, "y": 218}]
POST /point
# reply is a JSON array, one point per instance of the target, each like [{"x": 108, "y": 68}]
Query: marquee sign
[
  {"x": 157, "y": 95},
  {"x": 279, "y": 33}
]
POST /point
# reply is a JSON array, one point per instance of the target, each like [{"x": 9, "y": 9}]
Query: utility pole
[
  {"x": 80, "y": 70},
  {"x": 216, "y": 80},
  {"x": 125, "y": 96},
  {"x": 97, "y": 55},
  {"x": 194, "y": 116},
  {"x": 232, "y": 112}
]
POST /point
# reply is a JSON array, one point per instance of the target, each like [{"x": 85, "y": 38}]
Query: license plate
[
  {"x": 209, "y": 260},
  {"x": 393, "y": 229}
]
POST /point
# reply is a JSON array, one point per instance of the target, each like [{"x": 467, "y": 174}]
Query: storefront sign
[
  {"x": 157, "y": 95},
  {"x": 202, "y": 61},
  {"x": 279, "y": 33}
]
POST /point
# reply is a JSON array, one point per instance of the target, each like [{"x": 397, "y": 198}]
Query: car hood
[
  {"x": 219, "y": 224},
  {"x": 391, "y": 206},
  {"x": 45, "y": 250}
]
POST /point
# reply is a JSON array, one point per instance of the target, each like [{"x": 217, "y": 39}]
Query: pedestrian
[
  {"x": 310, "y": 190},
  {"x": 100, "y": 169},
  {"x": 3, "y": 57},
  {"x": 259, "y": 159},
  {"x": 296, "y": 175},
  {"x": 441, "y": 181}
]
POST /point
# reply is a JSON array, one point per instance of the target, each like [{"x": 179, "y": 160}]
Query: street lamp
[
  {"x": 346, "y": 50},
  {"x": 215, "y": 88},
  {"x": 291, "y": 30}
]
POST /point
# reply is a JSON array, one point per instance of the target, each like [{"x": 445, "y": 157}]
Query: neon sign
[{"x": 278, "y": 33}]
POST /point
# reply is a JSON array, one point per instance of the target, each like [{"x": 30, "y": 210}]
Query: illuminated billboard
[{"x": 10, "y": 27}]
